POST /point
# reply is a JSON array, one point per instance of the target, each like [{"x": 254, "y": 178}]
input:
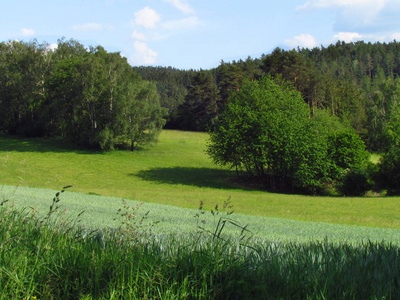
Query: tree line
[
  {"x": 357, "y": 82},
  {"x": 88, "y": 96}
]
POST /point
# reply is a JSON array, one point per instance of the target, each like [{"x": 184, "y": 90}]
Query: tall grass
[{"x": 52, "y": 257}]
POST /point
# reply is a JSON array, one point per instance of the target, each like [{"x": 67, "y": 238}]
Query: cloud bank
[{"x": 357, "y": 15}]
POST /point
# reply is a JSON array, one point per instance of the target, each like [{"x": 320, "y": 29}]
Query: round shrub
[{"x": 356, "y": 183}]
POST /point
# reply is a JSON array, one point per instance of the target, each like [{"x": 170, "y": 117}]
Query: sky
[{"x": 199, "y": 34}]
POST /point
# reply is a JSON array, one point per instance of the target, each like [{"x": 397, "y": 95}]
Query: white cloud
[
  {"x": 147, "y": 18},
  {"x": 52, "y": 47},
  {"x": 378, "y": 4},
  {"x": 182, "y": 5},
  {"x": 395, "y": 36},
  {"x": 347, "y": 36},
  {"x": 351, "y": 14},
  {"x": 144, "y": 55},
  {"x": 139, "y": 36},
  {"x": 91, "y": 27},
  {"x": 27, "y": 32},
  {"x": 182, "y": 24},
  {"x": 303, "y": 41}
]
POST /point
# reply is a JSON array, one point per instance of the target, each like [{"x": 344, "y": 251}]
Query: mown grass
[
  {"x": 176, "y": 171},
  {"x": 51, "y": 257}
]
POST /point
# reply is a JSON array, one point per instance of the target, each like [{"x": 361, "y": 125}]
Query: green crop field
[
  {"x": 177, "y": 172},
  {"x": 100, "y": 212}
]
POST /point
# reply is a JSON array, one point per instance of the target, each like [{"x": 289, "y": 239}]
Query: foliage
[
  {"x": 384, "y": 114},
  {"x": 296, "y": 68},
  {"x": 353, "y": 81},
  {"x": 356, "y": 183},
  {"x": 230, "y": 76},
  {"x": 23, "y": 67},
  {"x": 142, "y": 119},
  {"x": 257, "y": 131},
  {"x": 201, "y": 104},
  {"x": 347, "y": 151},
  {"x": 266, "y": 130},
  {"x": 389, "y": 171},
  {"x": 172, "y": 85},
  {"x": 82, "y": 95}
]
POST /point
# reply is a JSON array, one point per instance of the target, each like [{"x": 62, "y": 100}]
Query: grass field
[
  {"x": 177, "y": 172},
  {"x": 303, "y": 247},
  {"x": 101, "y": 212}
]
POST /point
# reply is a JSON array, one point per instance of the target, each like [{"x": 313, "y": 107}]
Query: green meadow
[{"x": 175, "y": 172}]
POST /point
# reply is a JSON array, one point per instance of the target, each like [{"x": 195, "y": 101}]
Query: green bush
[
  {"x": 389, "y": 171},
  {"x": 349, "y": 160},
  {"x": 346, "y": 151},
  {"x": 356, "y": 183}
]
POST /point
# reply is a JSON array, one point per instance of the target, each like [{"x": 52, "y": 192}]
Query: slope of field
[
  {"x": 100, "y": 212},
  {"x": 177, "y": 172}
]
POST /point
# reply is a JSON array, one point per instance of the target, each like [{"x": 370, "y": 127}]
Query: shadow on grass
[
  {"x": 42, "y": 144},
  {"x": 199, "y": 177}
]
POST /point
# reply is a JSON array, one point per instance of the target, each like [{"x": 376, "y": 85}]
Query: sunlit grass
[
  {"x": 375, "y": 158},
  {"x": 175, "y": 171}
]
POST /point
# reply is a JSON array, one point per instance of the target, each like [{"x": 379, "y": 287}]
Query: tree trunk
[{"x": 132, "y": 146}]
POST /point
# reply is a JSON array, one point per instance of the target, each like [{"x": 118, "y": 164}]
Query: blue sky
[{"x": 194, "y": 34}]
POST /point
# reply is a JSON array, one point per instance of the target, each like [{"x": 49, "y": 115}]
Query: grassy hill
[{"x": 177, "y": 172}]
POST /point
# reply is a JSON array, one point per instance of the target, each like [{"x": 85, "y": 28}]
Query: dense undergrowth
[{"x": 53, "y": 257}]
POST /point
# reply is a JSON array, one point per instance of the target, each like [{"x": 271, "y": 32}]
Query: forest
[
  {"x": 87, "y": 96},
  {"x": 357, "y": 82},
  {"x": 95, "y": 99}
]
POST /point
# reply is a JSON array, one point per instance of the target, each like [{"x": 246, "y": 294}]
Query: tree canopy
[
  {"x": 88, "y": 96},
  {"x": 355, "y": 82},
  {"x": 266, "y": 130}
]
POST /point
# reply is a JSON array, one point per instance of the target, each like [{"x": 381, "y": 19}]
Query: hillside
[{"x": 175, "y": 171}]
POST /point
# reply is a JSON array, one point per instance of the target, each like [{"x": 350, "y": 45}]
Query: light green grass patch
[
  {"x": 375, "y": 158},
  {"x": 101, "y": 212}
]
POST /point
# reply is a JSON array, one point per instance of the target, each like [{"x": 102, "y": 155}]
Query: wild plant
[
  {"x": 58, "y": 218},
  {"x": 220, "y": 220},
  {"x": 133, "y": 226},
  {"x": 219, "y": 251}
]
